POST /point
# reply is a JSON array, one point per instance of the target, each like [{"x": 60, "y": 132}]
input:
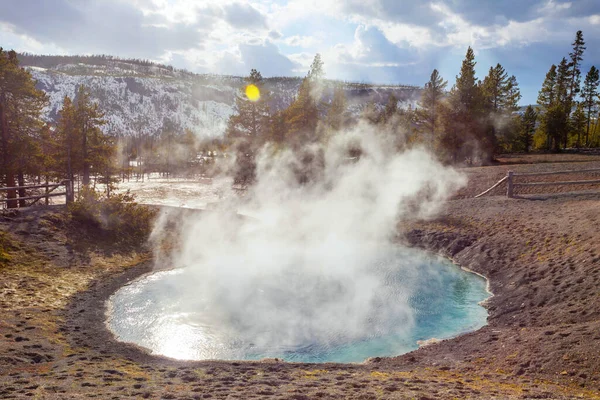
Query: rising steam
[{"x": 309, "y": 264}]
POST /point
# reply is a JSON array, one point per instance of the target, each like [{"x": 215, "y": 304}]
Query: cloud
[
  {"x": 302, "y": 41},
  {"x": 229, "y": 63},
  {"x": 417, "y": 12},
  {"x": 274, "y": 34},
  {"x": 111, "y": 26},
  {"x": 371, "y": 47},
  {"x": 371, "y": 40},
  {"x": 267, "y": 59},
  {"x": 244, "y": 16},
  {"x": 264, "y": 57}
]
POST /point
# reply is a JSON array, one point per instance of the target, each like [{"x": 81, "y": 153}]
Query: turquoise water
[{"x": 416, "y": 296}]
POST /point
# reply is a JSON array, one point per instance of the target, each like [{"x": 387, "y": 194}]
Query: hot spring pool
[{"x": 402, "y": 297}]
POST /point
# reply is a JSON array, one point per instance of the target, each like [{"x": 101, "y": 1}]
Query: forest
[{"x": 468, "y": 123}]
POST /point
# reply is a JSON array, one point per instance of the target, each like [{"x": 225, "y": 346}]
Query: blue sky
[{"x": 381, "y": 41}]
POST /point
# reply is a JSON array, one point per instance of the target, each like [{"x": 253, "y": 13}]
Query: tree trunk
[
  {"x": 587, "y": 132},
  {"x": 86, "y": 162},
  {"x": 21, "y": 178},
  {"x": 69, "y": 164},
  {"x": 46, "y": 199},
  {"x": 6, "y": 158}
]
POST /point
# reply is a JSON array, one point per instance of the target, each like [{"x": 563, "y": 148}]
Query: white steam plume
[{"x": 307, "y": 266}]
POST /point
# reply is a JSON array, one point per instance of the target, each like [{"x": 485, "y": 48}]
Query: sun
[{"x": 252, "y": 92}]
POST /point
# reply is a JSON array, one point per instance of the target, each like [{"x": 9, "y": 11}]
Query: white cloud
[
  {"x": 371, "y": 47},
  {"x": 302, "y": 41},
  {"x": 244, "y": 16}
]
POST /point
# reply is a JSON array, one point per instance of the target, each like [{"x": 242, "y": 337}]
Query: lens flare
[{"x": 252, "y": 92}]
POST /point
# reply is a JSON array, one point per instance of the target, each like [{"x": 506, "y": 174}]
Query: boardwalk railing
[
  {"x": 511, "y": 184},
  {"x": 11, "y": 202}
]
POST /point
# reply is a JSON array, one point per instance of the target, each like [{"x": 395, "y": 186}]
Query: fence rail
[
  {"x": 511, "y": 184},
  {"x": 559, "y": 172},
  {"x": 12, "y": 202}
]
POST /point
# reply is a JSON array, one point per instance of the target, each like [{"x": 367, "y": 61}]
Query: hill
[{"x": 141, "y": 96}]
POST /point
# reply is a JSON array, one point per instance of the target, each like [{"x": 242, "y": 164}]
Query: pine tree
[
  {"x": 463, "y": 133},
  {"x": 430, "y": 103},
  {"x": 513, "y": 95},
  {"x": 70, "y": 155},
  {"x": 546, "y": 99},
  {"x": 391, "y": 109},
  {"x": 337, "y": 115},
  {"x": 370, "y": 113},
  {"x": 590, "y": 97},
  {"x": 302, "y": 116},
  {"x": 528, "y": 121},
  {"x": 495, "y": 88},
  {"x": 253, "y": 115},
  {"x": 20, "y": 122},
  {"x": 466, "y": 94},
  {"x": 554, "y": 99},
  {"x": 562, "y": 107},
  {"x": 576, "y": 56},
  {"x": 548, "y": 91},
  {"x": 88, "y": 121},
  {"x": 500, "y": 96},
  {"x": 277, "y": 129}
]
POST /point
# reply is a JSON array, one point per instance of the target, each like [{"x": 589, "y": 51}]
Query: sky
[{"x": 376, "y": 41}]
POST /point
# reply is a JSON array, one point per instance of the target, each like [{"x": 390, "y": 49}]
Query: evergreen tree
[
  {"x": 463, "y": 133},
  {"x": 562, "y": 108},
  {"x": 316, "y": 71},
  {"x": 547, "y": 93},
  {"x": 500, "y": 96},
  {"x": 68, "y": 142},
  {"x": 277, "y": 128},
  {"x": 495, "y": 88},
  {"x": 20, "y": 110},
  {"x": 370, "y": 113},
  {"x": 337, "y": 115},
  {"x": 466, "y": 93},
  {"x": 554, "y": 99},
  {"x": 528, "y": 121},
  {"x": 253, "y": 115},
  {"x": 430, "y": 103},
  {"x": 576, "y": 56},
  {"x": 546, "y": 99},
  {"x": 88, "y": 121},
  {"x": 302, "y": 115},
  {"x": 513, "y": 95},
  {"x": 391, "y": 109},
  {"x": 590, "y": 98}
]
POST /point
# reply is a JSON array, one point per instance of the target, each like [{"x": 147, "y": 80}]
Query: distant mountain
[{"x": 141, "y": 96}]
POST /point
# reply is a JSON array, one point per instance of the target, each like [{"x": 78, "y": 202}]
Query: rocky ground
[{"x": 541, "y": 253}]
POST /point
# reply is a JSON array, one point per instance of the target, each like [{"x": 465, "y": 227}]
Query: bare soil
[{"x": 540, "y": 252}]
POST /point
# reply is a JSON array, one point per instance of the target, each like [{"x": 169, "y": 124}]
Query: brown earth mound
[{"x": 540, "y": 252}]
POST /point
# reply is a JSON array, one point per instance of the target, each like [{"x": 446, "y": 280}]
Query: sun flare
[{"x": 252, "y": 92}]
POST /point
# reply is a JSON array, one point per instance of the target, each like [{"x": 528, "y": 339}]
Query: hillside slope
[{"x": 148, "y": 98}]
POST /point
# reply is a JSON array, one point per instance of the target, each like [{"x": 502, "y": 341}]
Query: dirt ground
[{"x": 541, "y": 253}]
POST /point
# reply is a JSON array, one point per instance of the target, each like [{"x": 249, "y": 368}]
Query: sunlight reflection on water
[{"x": 444, "y": 302}]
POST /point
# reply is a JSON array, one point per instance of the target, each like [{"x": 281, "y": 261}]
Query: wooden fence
[
  {"x": 16, "y": 200},
  {"x": 511, "y": 184}
]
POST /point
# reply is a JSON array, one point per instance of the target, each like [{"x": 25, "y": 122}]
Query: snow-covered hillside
[{"x": 148, "y": 99}]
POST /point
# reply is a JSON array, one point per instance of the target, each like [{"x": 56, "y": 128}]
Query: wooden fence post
[{"x": 509, "y": 187}]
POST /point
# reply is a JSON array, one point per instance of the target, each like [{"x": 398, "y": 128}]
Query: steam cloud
[{"x": 311, "y": 264}]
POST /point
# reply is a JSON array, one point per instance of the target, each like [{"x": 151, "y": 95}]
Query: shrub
[
  {"x": 119, "y": 216},
  {"x": 5, "y": 246}
]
